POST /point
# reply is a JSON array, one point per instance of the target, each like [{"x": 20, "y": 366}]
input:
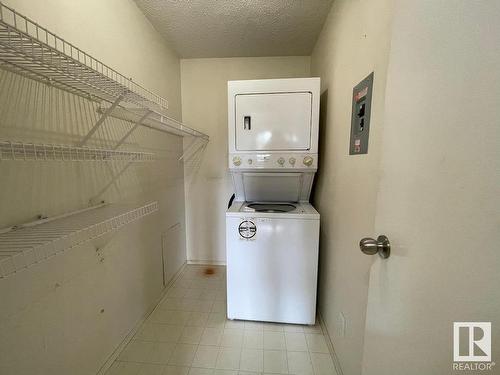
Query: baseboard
[
  {"x": 329, "y": 343},
  {"x": 111, "y": 359},
  {"x": 207, "y": 262}
]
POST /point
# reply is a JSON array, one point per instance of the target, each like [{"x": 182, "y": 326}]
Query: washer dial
[{"x": 308, "y": 161}]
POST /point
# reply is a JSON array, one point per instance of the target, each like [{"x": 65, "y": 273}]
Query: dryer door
[{"x": 273, "y": 121}]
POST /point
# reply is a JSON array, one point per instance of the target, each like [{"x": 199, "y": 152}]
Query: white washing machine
[
  {"x": 272, "y": 232},
  {"x": 272, "y": 262}
]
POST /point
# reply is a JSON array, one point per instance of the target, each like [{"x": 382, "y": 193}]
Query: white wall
[
  {"x": 204, "y": 106},
  {"x": 355, "y": 41},
  {"x": 50, "y": 315}
]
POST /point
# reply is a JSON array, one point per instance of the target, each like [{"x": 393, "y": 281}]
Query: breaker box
[{"x": 360, "y": 120}]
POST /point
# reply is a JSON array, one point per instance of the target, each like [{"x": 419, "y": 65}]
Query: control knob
[
  {"x": 292, "y": 161},
  {"x": 308, "y": 161},
  {"x": 281, "y": 161},
  {"x": 237, "y": 161}
]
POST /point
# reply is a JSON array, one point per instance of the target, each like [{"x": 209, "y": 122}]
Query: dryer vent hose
[{"x": 230, "y": 203}]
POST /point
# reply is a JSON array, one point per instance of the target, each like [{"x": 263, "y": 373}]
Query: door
[
  {"x": 438, "y": 198},
  {"x": 273, "y": 122}
]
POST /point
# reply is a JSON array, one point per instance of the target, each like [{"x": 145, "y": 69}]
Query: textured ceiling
[{"x": 229, "y": 28}]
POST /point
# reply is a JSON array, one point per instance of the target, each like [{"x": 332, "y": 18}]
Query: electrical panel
[{"x": 360, "y": 120}]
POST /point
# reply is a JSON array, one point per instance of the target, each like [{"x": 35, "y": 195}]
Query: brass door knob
[{"x": 381, "y": 245}]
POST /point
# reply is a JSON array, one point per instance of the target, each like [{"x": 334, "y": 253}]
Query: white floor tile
[
  {"x": 175, "y": 370},
  {"x": 201, "y": 371},
  {"x": 313, "y": 329},
  {"x": 147, "y": 332},
  {"x": 138, "y": 351},
  {"x": 167, "y": 332},
  {"x": 295, "y": 341},
  {"x": 216, "y": 319},
  {"x": 209, "y": 295},
  {"x": 293, "y": 328},
  {"x": 219, "y": 306},
  {"x": 183, "y": 355},
  {"x": 254, "y": 326},
  {"x": 316, "y": 343},
  {"x": 220, "y": 295},
  {"x": 235, "y": 324},
  {"x": 197, "y": 319},
  {"x": 191, "y": 335},
  {"x": 274, "y": 340},
  {"x": 205, "y": 306},
  {"x": 225, "y": 372},
  {"x": 299, "y": 363},
  {"x": 161, "y": 353},
  {"x": 168, "y": 317},
  {"x": 124, "y": 368},
  {"x": 176, "y": 292},
  {"x": 211, "y": 336},
  {"x": 229, "y": 359},
  {"x": 183, "y": 283},
  {"x": 172, "y": 304},
  {"x": 252, "y": 360},
  {"x": 253, "y": 339},
  {"x": 232, "y": 338},
  {"x": 206, "y": 356},
  {"x": 194, "y": 293},
  {"x": 151, "y": 369},
  {"x": 275, "y": 361},
  {"x": 322, "y": 364},
  {"x": 277, "y": 327}
]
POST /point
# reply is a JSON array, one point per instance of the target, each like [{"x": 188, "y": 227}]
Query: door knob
[{"x": 381, "y": 245}]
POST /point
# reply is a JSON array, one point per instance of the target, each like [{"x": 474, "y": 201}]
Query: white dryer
[{"x": 271, "y": 230}]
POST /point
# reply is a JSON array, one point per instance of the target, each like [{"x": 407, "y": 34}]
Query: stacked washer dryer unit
[{"x": 272, "y": 232}]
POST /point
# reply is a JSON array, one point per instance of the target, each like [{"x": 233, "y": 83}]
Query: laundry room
[{"x": 233, "y": 187}]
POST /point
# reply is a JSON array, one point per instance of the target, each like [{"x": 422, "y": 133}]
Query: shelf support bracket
[
  {"x": 188, "y": 148},
  {"x": 191, "y": 154},
  {"x": 137, "y": 124},
  {"x": 103, "y": 117}
]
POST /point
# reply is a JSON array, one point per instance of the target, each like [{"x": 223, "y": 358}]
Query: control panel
[{"x": 273, "y": 161}]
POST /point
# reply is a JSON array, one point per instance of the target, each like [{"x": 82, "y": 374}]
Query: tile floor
[{"x": 188, "y": 334}]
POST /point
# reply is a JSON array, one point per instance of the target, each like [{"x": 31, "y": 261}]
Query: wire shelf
[
  {"x": 157, "y": 121},
  {"x": 50, "y": 152},
  {"x": 30, "y": 49},
  {"x": 29, "y": 244}
]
